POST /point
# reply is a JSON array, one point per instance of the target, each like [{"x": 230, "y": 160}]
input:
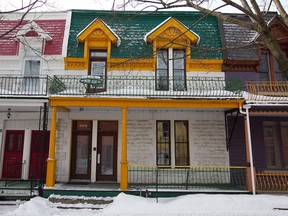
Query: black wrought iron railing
[
  {"x": 146, "y": 86},
  {"x": 187, "y": 177},
  {"x": 23, "y": 85}
]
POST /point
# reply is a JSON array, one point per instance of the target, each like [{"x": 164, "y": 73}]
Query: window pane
[
  {"x": 162, "y": 59},
  {"x": 179, "y": 70},
  {"x": 264, "y": 68},
  {"x": 181, "y": 143},
  {"x": 31, "y": 81},
  {"x": 163, "y": 143},
  {"x": 271, "y": 146},
  {"x": 179, "y": 59},
  {"x": 98, "y": 68},
  {"x": 102, "y": 54},
  {"x": 162, "y": 75},
  {"x": 284, "y": 134}
]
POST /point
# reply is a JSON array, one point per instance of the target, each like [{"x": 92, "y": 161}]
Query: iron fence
[
  {"x": 187, "y": 177},
  {"x": 273, "y": 181},
  {"x": 23, "y": 85}
]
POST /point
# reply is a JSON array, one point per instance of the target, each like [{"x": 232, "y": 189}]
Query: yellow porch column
[
  {"x": 50, "y": 177},
  {"x": 124, "y": 162}
]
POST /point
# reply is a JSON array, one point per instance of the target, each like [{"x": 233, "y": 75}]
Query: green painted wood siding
[{"x": 131, "y": 27}]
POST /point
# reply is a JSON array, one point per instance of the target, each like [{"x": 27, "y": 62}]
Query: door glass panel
[
  {"x": 19, "y": 142},
  {"x": 107, "y": 155},
  {"x": 10, "y": 142},
  {"x": 82, "y": 156}
]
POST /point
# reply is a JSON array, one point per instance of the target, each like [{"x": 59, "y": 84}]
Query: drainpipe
[{"x": 249, "y": 145}]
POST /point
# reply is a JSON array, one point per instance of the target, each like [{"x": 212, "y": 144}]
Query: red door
[
  {"x": 12, "y": 165},
  {"x": 39, "y": 154}
]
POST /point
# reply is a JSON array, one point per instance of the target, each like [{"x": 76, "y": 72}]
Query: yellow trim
[
  {"x": 75, "y": 63},
  {"x": 205, "y": 65},
  {"x": 192, "y": 65},
  {"x": 171, "y": 30},
  {"x": 91, "y": 32},
  {"x": 50, "y": 179},
  {"x": 131, "y": 64},
  {"x": 124, "y": 162},
  {"x": 144, "y": 103}
]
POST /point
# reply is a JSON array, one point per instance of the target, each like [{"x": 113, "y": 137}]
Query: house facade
[
  {"x": 139, "y": 99},
  {"x": 140, "y": 91},
  {"x": 266, "y": 97},
  {"x": 29, "y": 51}
]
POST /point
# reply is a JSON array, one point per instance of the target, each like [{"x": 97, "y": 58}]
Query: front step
[{"x": 76, "y": 202}]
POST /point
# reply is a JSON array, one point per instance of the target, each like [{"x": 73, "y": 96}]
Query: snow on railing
[
  {"x": 146, "y": 86},
  {"x": 14, "y": 85}
]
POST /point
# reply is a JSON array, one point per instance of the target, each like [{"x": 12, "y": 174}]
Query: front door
[
  {"x": 12, "y": 165},
  {"x": 107, "y": 151},
  {"x": 81, "y": 150},
  {"x": 39, "y": 154}
]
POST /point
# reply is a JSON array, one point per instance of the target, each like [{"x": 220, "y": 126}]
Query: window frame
[
  {"x": 93, "y": 89},
  {"x": 187, "y": 142},
  {"x": 170, "y": 70},
  {"x": 272, "y": 70},
  {"x": 278, "y": 145},
  {"x": 158, "y": 142}
]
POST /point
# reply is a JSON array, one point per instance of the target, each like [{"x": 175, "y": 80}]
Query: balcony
[
  {"x": 146, "y": 86},
  {"x": 272, "y": 91},
  {"x": 23, "y": 85}
]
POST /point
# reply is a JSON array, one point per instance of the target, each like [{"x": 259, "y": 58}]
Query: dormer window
[
  {"x": 32, "y": 39},
  {"x": 170, "y": 70}
]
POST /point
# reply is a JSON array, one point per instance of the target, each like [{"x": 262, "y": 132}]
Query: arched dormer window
[
  {"x": 98, "y": 38},
  {"x": 171, "y": 44}
]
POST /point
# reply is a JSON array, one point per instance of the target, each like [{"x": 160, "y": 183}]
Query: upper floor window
[
  {"x": 98, "y": 68},
  {"x": 269, "y": 69},
  {"x": 170, "y": 70}
]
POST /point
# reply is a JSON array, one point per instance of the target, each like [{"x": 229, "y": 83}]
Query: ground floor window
[
  {"x": 276, "y": 144},
  {"x": 178, "y": 141}
]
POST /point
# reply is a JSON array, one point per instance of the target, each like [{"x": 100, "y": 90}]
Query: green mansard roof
[{"x": 131, "y": 27}]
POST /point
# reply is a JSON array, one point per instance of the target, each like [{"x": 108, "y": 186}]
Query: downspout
[{"x": 249, "y": 145}]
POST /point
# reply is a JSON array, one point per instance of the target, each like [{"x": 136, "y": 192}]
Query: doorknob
[{"x": 98, "y": 158}]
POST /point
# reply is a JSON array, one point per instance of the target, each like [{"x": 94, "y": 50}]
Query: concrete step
[{"x": 77, "y": 202}]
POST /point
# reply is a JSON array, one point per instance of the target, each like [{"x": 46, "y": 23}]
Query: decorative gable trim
[
  {"x": 98, "y": 30},
  {"x": 171, "y": 32},
  {"x": 31, "y": 29},
  {"x": 279, "y": 30}
]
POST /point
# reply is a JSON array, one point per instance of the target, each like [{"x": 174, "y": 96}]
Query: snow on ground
[{"x": 194, "y": 205}]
